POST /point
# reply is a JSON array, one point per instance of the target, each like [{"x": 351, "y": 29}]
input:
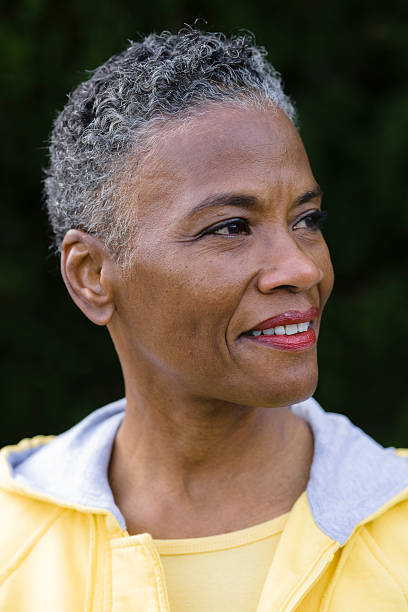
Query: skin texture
[{"x": 208, "y": 444}]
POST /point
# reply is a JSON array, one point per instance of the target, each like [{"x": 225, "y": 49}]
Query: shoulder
[
  {"x": 44, "y": 555},
  {"x": 386, "y": 537},
  {"x": 31, "y": 524},
  {"x": 370, "y": 571},
  {"x": 371, "y": 567},
  {"x": 32, "y": 527},
  {"x": 23, "y": 521}
]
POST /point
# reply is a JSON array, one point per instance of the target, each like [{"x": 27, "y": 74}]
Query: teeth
[
  {"x": 282, "y": 330},
  {"x": 269, "y": 332}
]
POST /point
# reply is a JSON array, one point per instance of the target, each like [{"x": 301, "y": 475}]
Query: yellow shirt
[{"x": 223, "y": 572}]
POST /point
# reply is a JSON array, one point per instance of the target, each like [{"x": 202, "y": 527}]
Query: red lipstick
[{"x": 294, "y": 342}]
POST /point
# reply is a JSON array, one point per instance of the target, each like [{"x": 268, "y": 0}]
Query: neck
[{"x": 176, "y": 456}]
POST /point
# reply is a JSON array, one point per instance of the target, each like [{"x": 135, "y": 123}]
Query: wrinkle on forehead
[{"x": 223, "y": 147}]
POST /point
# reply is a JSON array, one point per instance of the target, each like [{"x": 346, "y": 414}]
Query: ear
[{"x": 88, "y": 271}]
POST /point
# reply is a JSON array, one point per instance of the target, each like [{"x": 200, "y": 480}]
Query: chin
[
  {"x": 291, "y": 387},
  {"x": 291, "y": 383},
  {"x": 288, "y": 397},
  {"x": 275, "y": 392}
]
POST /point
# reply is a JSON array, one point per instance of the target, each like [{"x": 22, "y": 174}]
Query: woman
[{"x": 188, "y": 221}]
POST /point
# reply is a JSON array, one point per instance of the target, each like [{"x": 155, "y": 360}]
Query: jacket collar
[
  {"x": 351, "y": 477},
  {"x": 73, "y": 467}
]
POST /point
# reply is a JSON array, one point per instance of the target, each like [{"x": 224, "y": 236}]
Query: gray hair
[{"x": 164, "y": 78}]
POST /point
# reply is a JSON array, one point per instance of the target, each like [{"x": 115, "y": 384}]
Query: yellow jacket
[{"x": 64, "y": 545}]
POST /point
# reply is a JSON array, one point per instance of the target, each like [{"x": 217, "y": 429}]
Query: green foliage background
[{"x": 345, "y": 63}]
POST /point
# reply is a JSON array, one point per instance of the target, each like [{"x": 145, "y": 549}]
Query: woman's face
[{"x": 226, "y": 237}]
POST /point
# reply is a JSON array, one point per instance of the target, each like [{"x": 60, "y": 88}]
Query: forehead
[{"x": 225, "y": 150}]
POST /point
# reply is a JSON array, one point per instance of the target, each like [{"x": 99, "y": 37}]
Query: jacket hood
[{"x": 352, "y": 477}]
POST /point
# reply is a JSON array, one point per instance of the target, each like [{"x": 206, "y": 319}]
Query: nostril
[{"x": 286, "y": 287}]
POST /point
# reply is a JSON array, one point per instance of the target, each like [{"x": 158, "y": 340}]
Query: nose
[{"x": 289, "y": 265}]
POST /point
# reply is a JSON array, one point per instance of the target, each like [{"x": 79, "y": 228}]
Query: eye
[
  {"x": 312, "y": 221},
  {"x": 232, "y": 227}
]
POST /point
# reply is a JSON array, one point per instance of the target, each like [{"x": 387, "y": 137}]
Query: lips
[{"x": 288, "y": 331}]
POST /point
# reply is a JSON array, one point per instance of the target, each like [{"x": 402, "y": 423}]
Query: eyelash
[{"x": 316, "y": 218}]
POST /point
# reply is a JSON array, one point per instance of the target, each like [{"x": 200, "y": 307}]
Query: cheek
[{"x": 180, "y": 297}]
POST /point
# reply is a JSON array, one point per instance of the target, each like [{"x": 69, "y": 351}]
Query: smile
[
  {"x": 289, "y": 331},
  {"x": 288, "y": 340}
]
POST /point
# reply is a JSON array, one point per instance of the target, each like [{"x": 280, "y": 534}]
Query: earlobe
[{"x": 86, "y": 269}]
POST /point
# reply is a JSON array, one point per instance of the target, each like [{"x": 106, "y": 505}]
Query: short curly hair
[{"x": 163, "y": 78}]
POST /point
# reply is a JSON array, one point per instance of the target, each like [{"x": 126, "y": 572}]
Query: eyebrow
[
  {"x": 225, "y": 199},
  {"x": 309, "y": 195},
  {"x": 247, "y": 201}
]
